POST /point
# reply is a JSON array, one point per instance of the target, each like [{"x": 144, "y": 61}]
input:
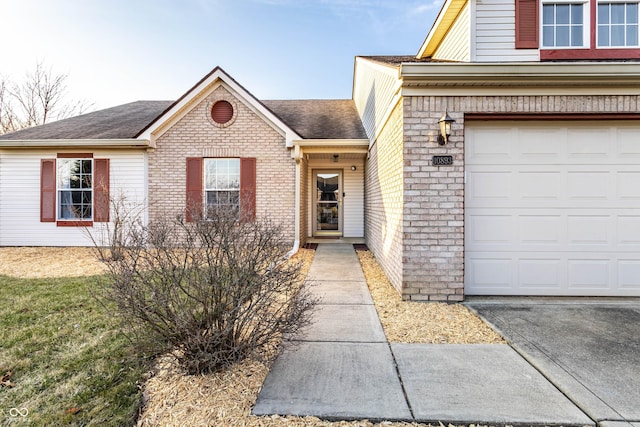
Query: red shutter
[
  {"x": 101, "y": 190},
  {"x": 48, "y": 190},
  {"x": 247, "y": 189},
  {"x": 194, "y": 188},
  {"x": 526, "y": 24}
]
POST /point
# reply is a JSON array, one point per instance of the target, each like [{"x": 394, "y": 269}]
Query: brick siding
[
  {"x": 433, "y": 213},
  {"x": 249, "y": 135}
]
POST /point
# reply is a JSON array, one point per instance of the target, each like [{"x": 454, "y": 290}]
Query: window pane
[
  {"x": 562, "y": 14},
  {"x": 65, "y": 205},
  {"x": 617, "y": 13},
  {"x": 632, "y": 13},
  {"x": 86, "y": 212},
  {"x": 212, "y": 198},
  {"x": 576, "y": 14},
  {"x": 576, "y": 36},
  {"x": 562, "y": 36},
  {"x": 222, "y": 182},
  {"x": 547, "y": 14},
  {"x": 235, "y": 198},
  {"x": 210, "y": 166},
  {"x": 75, "y": 205},
  {"x": 547, "y": 36},
  {"x": 603, "y": 14},
  {"x": 86, "y": 197},
  {"x": 74, "y": 181},
  {"x": 86, "y": 166},
  {"x": 86, "y": 181},
  {"x": 223, "y": 167},
  {"x": 603, "y": 35},
  {"x": 632, "y": 35},
  {"x": 234, "y": 167},
  {"x": 617, "y": 35},
  {"x": 64, "y": 180}
]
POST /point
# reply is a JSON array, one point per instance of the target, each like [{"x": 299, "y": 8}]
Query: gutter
[
  {"x": 75, "y": 143},
  {"x": 526, "y": 73}
]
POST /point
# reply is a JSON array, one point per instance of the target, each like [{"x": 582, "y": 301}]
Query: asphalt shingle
[
  {"x": 121, "y": 122},
  {"x": 315, "y": 119}
]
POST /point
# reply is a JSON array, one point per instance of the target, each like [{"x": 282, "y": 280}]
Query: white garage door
[{"x": 552, "y": 208}]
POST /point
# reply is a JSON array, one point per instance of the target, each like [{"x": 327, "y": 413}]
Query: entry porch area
[{"x": 330, "y": 178}]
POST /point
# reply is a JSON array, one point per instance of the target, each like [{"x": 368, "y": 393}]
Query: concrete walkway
[{"x": 343, "y": 368}]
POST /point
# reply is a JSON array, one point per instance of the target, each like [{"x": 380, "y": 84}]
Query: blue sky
[{"x": 118, "y": 51}]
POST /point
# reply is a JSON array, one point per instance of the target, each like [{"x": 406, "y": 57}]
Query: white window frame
[
  {"x": 586, "y": 24},
  {"x": 210, "y": 186},
  {"x": 61, "y": 188},
  {"x": 609, "y": 46}
]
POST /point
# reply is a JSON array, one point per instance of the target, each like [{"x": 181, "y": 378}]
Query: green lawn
[{"x": 70, "y": 365}]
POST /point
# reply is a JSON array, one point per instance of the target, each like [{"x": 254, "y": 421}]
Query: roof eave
[
  {"x": 445, "y": 19},
  {"x": 532, "y": 74},
  {"x": 77, "y": 143}
]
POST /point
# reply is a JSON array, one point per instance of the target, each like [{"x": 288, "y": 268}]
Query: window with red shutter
[{"x": 74, "y": 190}]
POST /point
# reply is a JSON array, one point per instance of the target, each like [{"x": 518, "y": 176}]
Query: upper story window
[
  {"x": 565, "y": 25},
  {"x": 617, "y": 24},
  {"x": 75, "y": 189},
  {"x": 222, "y": 184},
  {"x": 579, "y": 29}
]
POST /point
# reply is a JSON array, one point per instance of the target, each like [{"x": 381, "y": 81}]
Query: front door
[{"x": 328, "y": 206}]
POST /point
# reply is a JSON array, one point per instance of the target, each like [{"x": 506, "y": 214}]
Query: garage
[{"x": 552, "y": 208}]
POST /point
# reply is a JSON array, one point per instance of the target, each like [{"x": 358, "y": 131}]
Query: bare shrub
[{"x": 211, "y": 291}]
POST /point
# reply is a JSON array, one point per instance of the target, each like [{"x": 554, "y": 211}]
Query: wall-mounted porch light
[
  {"x": 445, "y": 128},
  {"x": 335, "y": 158}
]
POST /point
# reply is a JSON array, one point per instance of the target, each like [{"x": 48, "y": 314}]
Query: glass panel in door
[{"x": 328, "y": 203}]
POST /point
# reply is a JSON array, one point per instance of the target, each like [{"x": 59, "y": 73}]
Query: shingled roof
[
  {"x": 320, "y": 118},
  {"x": 395, "y": 60},
  {"x": 121, "y": 122},
  {"x": 312, "y": 119}
]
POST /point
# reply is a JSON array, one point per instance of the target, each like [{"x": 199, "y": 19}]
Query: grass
[{"x": 69, "y": 364}]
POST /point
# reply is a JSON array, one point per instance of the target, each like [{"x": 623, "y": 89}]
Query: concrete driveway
[{"x": 589, "y": 349}]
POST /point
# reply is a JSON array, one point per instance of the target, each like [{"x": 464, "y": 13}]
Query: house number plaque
[{"x": 442, "y": 160}]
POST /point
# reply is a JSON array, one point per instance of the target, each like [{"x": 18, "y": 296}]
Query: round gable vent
[{"x": 222, "y": 112}]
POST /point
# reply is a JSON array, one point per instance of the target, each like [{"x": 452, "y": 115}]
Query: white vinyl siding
[
  {"x": 375, "y": 86},
  {"x": 495, "y": 37},
  {"x": 456, "y": 44},
  {"x": 20, "y": 196},
  {"x": 552, "y": 209},
  {"x": 353, "y": 201}
]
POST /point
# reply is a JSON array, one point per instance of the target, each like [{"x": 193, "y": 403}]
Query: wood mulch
[
  {"x": 226, "y": 398},
  {"x": 40, "y": 262},
  {"x": 420, "y": 322}
]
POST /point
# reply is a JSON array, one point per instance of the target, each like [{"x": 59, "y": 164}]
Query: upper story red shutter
[
  {"x": 194, "y": 188},
  {"x": 247, "y": 189},
  {"x": 101, "y": 194},
  {"x": 526, "y": 24},
  {"x": 48, "y": 190}
]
